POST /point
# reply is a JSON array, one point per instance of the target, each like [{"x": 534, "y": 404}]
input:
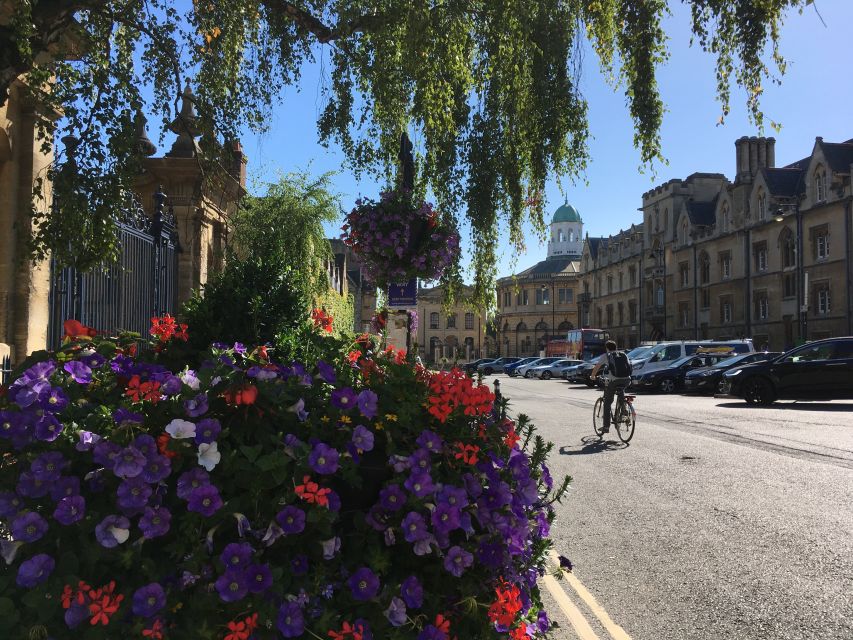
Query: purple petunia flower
[
  {"x": 323, "y": 459},
  {"x": 34, "y": 571},
  {"x": 291, "y": 519},
  {"x": 207, "y": 430},
  {"x": 76, "y": 614},
  {"x": 362, "y": 438},
  {"x": 87, "y": 440},
  {"x": 148, "y": 600},
  {"x": 79, "y": 371},
  {"x": 259, "y": 578},
  {"x": 457, "y": 560},
  {"x": 290, "y": 622},
  {"x": 129, "y": 463},
  {"x": 93, "y": 360},
  {"x": 414, "y": 527},
  {"x": 236, "y": 554},
  {"x": 105, "y": 453},
  {"x": 412, "y": 592},
  {"x": 453, "y": 496},
  {"x": 28, "y": 527},
  {"x": 196, "y": 406},
  {"x": 431, "y": 632},
  {"x": 232, "y": 586},
  {"x": 429, "y": 440},
  {"x": 392, "y": 497},
  {"x": 420, "y": 484},
  {"x": 396, "y": 612},
  {"x": 343, "y": 398},
  {"x": 205, "y": 500},
  {"x": 155, "y": 522},
  {"x": 330, "y": 547},
  {"x": 48, "y": 428},
  {"x": 132, "y": 495},
  {"x": 419, "y": 460},
  {"x": 112, "y": 531},
  {"x": 156, "y": 468},
  {"x": 170, "y": 385},
  {"x": 445, "y": 518},
  {"x": 298, "y": 408},
  {"x": 367, "y": 403},
  {"x": 70, "y": 510},
  {"x": 327, "y": 372},
  {"x": 189, "y": 481},
  {"x": 29, "y": 486},
  {"x": 299, "y": 564},
  {"x": 48, "y": 466},
  {"x": 363, "y": 584},
  {"x": 10, "y": 504},
  {"x": 54, "y": 401}
]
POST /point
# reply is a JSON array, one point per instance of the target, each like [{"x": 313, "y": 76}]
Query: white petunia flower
[
  {"x": 208, "y": 455},
  {"x": 181, "y": 429},
  {"x": 121, "y": 535}
]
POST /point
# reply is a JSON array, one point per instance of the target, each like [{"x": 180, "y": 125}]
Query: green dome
[{"x": 566, "y": 213}]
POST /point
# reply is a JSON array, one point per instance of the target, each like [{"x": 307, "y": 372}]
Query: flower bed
[
  {"x": 351, "y": 497},
  {"x": 398, "y": 238}
]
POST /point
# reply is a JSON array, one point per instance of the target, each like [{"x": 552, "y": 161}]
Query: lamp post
[
  {"x": 660, "y": 298},
  {"x": 802, "y": 277}
]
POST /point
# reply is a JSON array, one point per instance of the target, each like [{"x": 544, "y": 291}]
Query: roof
[
  {"x": 702, "y": 213},
  {"x": 566, "y": 213},
  {"x": 785, "y": 182},
  {"x": 839, "y": 155},
  {"x": 552, "y": 266},
  {"x": 594, "y": 244}
]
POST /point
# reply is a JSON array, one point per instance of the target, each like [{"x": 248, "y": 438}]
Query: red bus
[
  {"x": 586, "y": 344},
  {"x": 557, "y": 347}
]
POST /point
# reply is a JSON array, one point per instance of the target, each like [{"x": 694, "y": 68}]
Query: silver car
[
  {"x": 525, "y": 370},
  {"x": 554, "y": 369}
]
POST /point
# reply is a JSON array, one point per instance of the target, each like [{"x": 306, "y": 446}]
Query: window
[
  {"x": 820, "y": 184},
  {"x": 762, "y": 205},
  {"x": 560, "y": 236},
  {"x": 706, "y": 298},
  {"x": 704, "y": 269},
  {"x": 518, "y": 299},
  {"x": 725, "y": 310},
  {"x": 789, "y": 285},
  {"x": 524, "y": 299},
  {"x": 621, "y": 281},
  {"x": 609, "y": 284},
  {"x": 759, "y": 252},
  {"x": 821, "y": 242},
  {"x": 451, "y": 321},
  {"x": 683, "y": 314},
  {"x": 433, "y": 320},
  {"x": 762, "y": 305},
  {"x": 621, "y": 310},
  {"x": 724, "y": 218},
  {"x": 539, "y": 296},
  {"x": 684, "y": 272},
  {"x": 823, "y": 299},
  {"x": 570, "y": 296},
  {"x": 632, "y": 311},
  {"x": 546, "y": 296},
  {"x": 610, "y": 315},
  {"x": 469, "y": 320},
  {"x": 812, "y": 352},
  {"x": 632, "y": 276},
  {"x": 725, "y": 265},
  {"x": 683, "y": 233},
  {"x": 789, "y": 252}
]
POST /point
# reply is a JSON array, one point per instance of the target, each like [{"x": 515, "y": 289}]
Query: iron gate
[{"x": 126, "y": 294}]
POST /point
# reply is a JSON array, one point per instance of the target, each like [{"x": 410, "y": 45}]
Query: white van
[{"x": 665, "y": 353}]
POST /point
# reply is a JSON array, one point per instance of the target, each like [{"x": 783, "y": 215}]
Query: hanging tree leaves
[{"x": 489, "y": 88}]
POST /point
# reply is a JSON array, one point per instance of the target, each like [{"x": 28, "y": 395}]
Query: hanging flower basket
[{"x": 399, "y": 238}]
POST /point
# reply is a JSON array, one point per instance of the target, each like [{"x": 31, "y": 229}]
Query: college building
[{"x": 766, "y": 256}]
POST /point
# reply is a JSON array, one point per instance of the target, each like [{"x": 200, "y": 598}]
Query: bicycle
[{"x": 623, "y": 417}]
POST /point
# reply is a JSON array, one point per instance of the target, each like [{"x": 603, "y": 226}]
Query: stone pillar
[
  {"x": 753, "y": 156},
  {"x": 771, "y": 152}
]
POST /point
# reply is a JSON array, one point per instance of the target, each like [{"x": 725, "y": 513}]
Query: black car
[
  {"x": 671, "y": 378},
  {"x": 471, "y": 367},
  {"x": 710, "y": 379},
  {"x": 819, "y": 370}
]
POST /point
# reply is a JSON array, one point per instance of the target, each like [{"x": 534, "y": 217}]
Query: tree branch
[{"x": 321, "y": 31}]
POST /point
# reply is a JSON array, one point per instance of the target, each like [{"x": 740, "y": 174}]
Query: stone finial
[
  {"x": 143, "y": 143},
  {"x": 186, "y": 127}
]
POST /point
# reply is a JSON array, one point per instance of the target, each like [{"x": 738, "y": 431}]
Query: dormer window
[{"x": 820, "y": 184}]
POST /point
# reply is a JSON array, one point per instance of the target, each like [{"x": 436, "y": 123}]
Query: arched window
[
  {"x": 704, "y": 268},
  {"x": 571, "y": 235},
  {"x": 683, "y": 233},
  {"x": 506, "y": 327},
  {"x": 820, "y": 184},
  {"x": 560, "y": 235},
  {"x": 521, "y": 327},
  {"x": 565, "y": 325},
  {"x": 724, "y": 218},
  {"x": 762, "y": 204},
  {"x": 788, "y": 248},
  {"x": 541, "y": 326}
]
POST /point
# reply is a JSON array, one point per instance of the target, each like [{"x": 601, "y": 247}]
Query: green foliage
[
  {"x": 252, "y": 300},
  {"x": 490, "y": 88},
  {"x": 286, "y": 225},
  {"x": 340, "y": 308}
]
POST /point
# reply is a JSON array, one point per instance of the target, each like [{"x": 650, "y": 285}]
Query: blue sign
[{"x": 403, "y": 295}]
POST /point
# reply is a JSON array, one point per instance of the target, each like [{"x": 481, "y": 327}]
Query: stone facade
[
  {"x": 766, "y": 256},
  {"x": 541, "y": 303},
  {"x": 347, "y": 277},
  {"x": 455, "y": 333}
]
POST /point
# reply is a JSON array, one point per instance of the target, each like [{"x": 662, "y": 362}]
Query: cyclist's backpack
[{"x": 619, "y": 365}]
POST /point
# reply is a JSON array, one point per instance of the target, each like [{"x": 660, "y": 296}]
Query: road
[{"x": 717, "y": 521}]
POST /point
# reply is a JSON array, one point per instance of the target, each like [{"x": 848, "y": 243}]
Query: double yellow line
[{"x": 577, "y": 619}]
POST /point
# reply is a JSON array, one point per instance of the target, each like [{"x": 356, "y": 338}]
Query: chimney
[
  {"x": 762, "y": 152},
  {"x": 771, "y": 152},
  {"x": 742, "y": 159},
  {"x": 238, "y": 168},
  {"x": 753, "y": 156}
]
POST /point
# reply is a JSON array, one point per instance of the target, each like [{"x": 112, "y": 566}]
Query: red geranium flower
[{"x": 76, "y": 329}]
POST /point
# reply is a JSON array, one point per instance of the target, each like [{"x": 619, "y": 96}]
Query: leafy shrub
[{"x": 348, "y": 497}]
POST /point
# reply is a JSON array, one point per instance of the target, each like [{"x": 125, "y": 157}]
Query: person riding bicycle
[{"x": 620, "y": 376}]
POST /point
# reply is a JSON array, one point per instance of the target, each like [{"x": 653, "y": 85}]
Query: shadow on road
[
  {"x": 593, "y": 444},
  {"x": 791, "y": 406}
]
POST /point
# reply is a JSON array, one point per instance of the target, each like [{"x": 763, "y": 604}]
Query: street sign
[{"x": 403, "y": 295}]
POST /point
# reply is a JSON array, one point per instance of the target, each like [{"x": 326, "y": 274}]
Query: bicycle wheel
[
  {"x": 627, "y": 421},
  {"x": 598, "y": 417}
]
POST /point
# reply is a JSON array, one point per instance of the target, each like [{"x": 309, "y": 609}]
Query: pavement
[{"x": 718, "y": 520}]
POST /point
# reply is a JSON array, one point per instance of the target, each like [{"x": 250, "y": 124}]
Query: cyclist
[{"x": 620, "y": 376}]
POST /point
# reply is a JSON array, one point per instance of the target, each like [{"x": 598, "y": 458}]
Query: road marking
[{"x": 574, "y": 615}]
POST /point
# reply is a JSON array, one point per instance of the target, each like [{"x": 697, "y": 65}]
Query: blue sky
[{"x": 815, "y": 99}]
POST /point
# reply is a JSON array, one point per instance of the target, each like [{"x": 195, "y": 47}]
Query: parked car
[
  {"x": 580, "y": 374},
  {"x": 548, "y": 371},
  {"x": 509, "y": 369},
  {"x": 665, "y": 353},
  {"x": 819, "y": 370},
  {"x": 568, "y": 373},
  {"x": 488, "y": 368},
  {"x": 471, "y": 367},
  {"x": 671, "y": 378},
  {"x": 710, "y": 379},
  {"x": 524, "y": 370},
  {"x": 561, "y": 371}
]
